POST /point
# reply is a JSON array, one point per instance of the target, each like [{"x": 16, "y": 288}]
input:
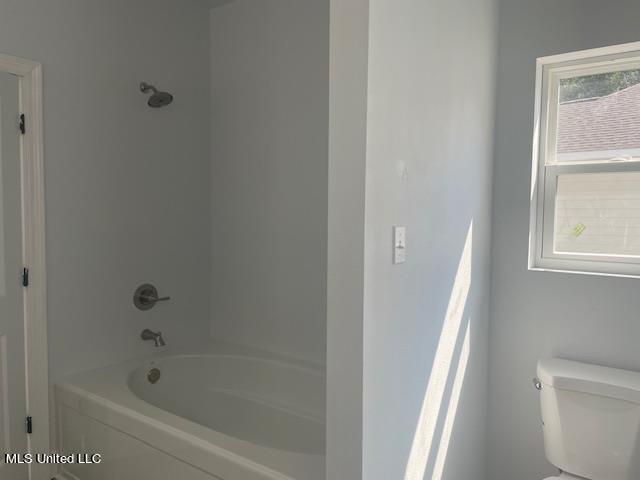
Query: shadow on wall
[{"x": 435, "y": 424}]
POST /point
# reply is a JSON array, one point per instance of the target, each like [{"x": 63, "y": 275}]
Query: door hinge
[
  {"x": 22, "y": 124},
  {"x": 29, "y": 425},
  {"x": 25, "y": 277}
]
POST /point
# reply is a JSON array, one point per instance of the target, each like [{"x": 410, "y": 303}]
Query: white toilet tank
[{"x": 591, "y": 419}]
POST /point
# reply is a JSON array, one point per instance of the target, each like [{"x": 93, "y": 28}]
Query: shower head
[{"x": 157, "y": 99}]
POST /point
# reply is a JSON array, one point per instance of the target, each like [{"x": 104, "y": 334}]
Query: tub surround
[
  {"x": 269, "y": 152},
  {"x": 106, "y": 153}
]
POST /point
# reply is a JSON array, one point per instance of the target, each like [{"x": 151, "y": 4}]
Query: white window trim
[
  {"x": 628, "y": 155},
  {"x": 545, "y": 169}
]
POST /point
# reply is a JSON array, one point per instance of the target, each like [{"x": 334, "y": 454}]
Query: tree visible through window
[{"x": 594, "y": 86}]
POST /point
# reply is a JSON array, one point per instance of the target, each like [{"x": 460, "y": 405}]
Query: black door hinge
[
  {"x": 25, "y": 277},
  {"x": 29, "y": 425},
  {"x": 22, "y": 124}
]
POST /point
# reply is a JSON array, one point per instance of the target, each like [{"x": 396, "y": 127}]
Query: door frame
[{"x": 33, "y": 253}]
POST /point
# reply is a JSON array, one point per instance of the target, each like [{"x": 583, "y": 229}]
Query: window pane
[
  {"x": 599, "y": 117},
  {"x": 598, "y": 213}
]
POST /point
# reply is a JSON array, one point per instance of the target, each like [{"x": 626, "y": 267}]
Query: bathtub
[{"x": 194, "y": 417}]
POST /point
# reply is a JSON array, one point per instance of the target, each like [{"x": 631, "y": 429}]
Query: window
[{"x": 585, "y": 196}]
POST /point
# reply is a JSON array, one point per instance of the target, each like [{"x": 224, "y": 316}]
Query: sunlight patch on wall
[
  {"x": 445, "y": 439},
  {"x": 433, "y": 399}
]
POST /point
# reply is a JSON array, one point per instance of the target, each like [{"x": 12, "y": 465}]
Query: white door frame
[{"x": 33, "y": 252}]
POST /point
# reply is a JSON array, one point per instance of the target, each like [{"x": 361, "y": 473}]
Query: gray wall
[
  {"x": 429, "y": 167},
  {"x": 269, "y": 136},
  {"x": 126, "y": 186},
  {"x": 536, "y": 314},
  {"x": 345, "y": 288}
]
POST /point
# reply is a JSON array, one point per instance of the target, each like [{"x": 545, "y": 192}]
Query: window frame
[{"x": 546, "y": 169}]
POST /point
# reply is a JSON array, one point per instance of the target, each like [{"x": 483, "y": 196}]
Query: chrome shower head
[{"x": 157, "y": 99}]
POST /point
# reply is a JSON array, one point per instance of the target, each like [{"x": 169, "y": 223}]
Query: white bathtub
[{"x": 209, "y": 416}]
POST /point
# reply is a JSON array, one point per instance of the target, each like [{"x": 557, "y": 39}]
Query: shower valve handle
[
  {"x": 146, "y": 296},
  {"x": 151, "y": 299}
]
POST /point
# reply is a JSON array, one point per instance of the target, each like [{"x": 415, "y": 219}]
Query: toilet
[{"x": 590, "y": 420}]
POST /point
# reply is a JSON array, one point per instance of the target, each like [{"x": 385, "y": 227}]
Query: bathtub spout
[{"x": 155, "y": 336}]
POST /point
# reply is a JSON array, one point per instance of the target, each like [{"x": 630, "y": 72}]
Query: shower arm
[{"x": 146, "y": 87}]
